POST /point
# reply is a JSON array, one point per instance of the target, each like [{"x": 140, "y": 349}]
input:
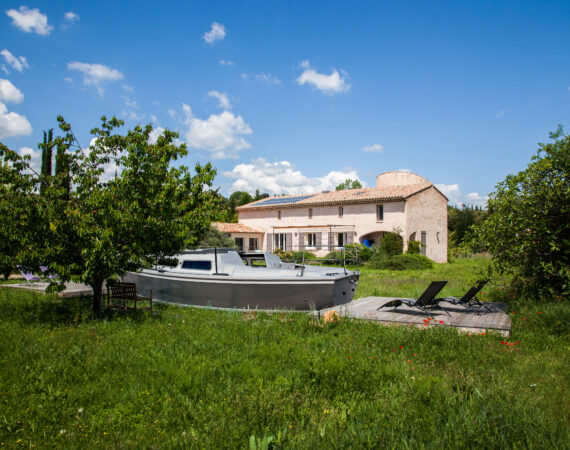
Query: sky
[{"x": 294, "y": 97}]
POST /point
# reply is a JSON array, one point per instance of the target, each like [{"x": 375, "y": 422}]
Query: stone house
[{"x": 400, "y": 201}]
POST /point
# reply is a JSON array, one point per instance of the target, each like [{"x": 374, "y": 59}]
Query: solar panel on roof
[{"x": 283, "y": 200}]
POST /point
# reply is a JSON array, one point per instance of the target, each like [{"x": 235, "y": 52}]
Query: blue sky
[{"x": 295, "y": 96}]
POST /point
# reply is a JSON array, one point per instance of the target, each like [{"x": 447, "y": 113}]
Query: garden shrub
[
  {"x": 392, "y": 244},
  {"x": 364, "y": 252},
  {"x": 414, "y": 248}
]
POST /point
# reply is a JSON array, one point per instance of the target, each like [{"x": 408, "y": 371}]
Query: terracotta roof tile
[
  {"x": 234, "y": 228},
  {"x": 351, "y": 196}
]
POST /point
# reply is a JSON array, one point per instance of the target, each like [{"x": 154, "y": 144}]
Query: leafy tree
[
  {"x": 528, "y": 227},
  {"x": 460, "y": 220},
  {"x": 149, "y": 210},
  {"x": 215, "y": 238},
  {"x": 349, "y": 184},
  {"x": 19, "y": 212}
]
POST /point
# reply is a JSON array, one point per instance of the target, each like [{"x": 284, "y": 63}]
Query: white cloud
[
  {"x": 328, "y": 84},
  {"x": 155, "y": 133},
  {"x": 262, "y": 77},
  {"x": 130, "y": 103},
  {"x": 501, "y": 113},
  {"x": 30, "y": 20},
  {"x": 71, "y": 16},
  {"x": 224, "y": 62},
  {"x": 375, "y": 148},
  {"x": 216, "y": 33},
  {"x": 128, "y": 88},
  {"x": 35, "y": 157},
  {"x": 282, "y": 178},
  {"x": 223, "y": 99},
  {"x": 453, "y": 193},
  {"x": 69, "y": 80},
  {"x": 12, "y": 124},
  {"x": 219, "y": 134},
  {"x": 5, "y": 70},
  {"x": 18, "y": 63},
  {"x": 9, "y": 92},
  {"x": 95, "y": 74}
]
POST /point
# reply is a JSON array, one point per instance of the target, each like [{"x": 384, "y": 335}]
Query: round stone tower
[{"x": 399, "y": 179}]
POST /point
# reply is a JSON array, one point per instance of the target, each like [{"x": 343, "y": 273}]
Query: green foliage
[
  {"x": 215, "y": 238},
  {"x": 528, "y": 228},
  {"x": 392, "y": 244},
  {"x": 459, "y": 221},
  {"x": 170, "y": 379},
  {"x": 151, "y": 209},
  {"x": 227, "y": 210},
  {"x": 294, "y": 256},
  {"x": 19, "y": 209},
  {"x": 349, "y": 184},
  {"x": 364, "y": 252},
  {"x": 414, "y": 248}
]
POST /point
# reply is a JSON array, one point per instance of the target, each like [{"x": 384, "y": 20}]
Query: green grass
[{"x": 186, "y": 377}]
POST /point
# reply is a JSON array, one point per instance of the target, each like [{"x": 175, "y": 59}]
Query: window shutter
[
  {"x": 319, "y": 240},
  {"x": 350, "y": 237},
  {"x": 331, "y": 241},
  {"x": 424, "y": 241},
  {"x": 289, "y": 242},
  {"x": 270, "y": 242},
  {"x": 301, "y": 241}
]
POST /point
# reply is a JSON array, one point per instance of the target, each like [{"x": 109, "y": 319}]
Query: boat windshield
[{"x": 196, "y": 264}]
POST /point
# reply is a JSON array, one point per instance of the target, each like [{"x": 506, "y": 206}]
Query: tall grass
[{"x": 185, "y": 377}]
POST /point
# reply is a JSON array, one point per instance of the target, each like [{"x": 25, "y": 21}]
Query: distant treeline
[{"x": 459, "y": 220}]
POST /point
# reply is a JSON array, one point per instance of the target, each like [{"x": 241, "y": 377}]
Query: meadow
[{"x": 200, "y": 378}]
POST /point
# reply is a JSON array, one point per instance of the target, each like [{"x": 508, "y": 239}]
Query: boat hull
[{"x": 223, "y": 292}]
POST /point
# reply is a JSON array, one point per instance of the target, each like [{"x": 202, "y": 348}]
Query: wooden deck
[{"x": 475, "y": 320}]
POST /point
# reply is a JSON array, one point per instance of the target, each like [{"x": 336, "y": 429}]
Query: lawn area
[{"x": 186, "y": 377}]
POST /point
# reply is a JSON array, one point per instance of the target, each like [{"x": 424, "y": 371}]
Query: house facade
[{"x": 400, "y": 201}]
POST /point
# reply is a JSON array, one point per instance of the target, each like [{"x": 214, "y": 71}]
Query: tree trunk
[{"x": 97, "y": 286}]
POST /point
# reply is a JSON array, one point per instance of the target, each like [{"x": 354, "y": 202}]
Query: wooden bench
[{"x": 126, "y": 293}]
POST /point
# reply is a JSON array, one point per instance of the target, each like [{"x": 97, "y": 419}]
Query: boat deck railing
[{"x": 349, "y": 255}]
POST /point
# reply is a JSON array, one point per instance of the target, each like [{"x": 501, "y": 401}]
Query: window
[
  {"x": 280, "y": 241},
  {"x": 311, "y": 239},
  {"x": 239, "y": 243},
  {"x": 197, "y": 265},
  {"x": 340, "y": 211},
  {"x": 341, "y": 239},
  {"x": 310, "y": 213},
  {"x": 379, "y": 213},
  {"x": 253, "y": 244},
  {"x": 278, "y": 215}
]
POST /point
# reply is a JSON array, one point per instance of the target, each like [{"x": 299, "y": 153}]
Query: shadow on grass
[{"x": 34, "y": 308}]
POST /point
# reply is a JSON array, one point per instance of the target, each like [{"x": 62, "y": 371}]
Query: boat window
[{"x": 197, "y": 265}]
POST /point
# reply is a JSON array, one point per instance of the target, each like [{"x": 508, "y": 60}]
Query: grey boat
[{"x": 224, "y": 279}]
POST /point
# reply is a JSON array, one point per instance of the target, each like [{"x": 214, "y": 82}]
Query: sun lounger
[
  {"x": 423, "y": 302},
  {"x": 469, "y": 300},
  {"x": 46, "y": 274},
  {"x": 28, "y": 276}
]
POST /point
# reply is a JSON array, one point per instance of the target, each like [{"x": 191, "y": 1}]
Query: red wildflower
[
  {"x": 401, "y": 347},
  {"x": 415, "y": 354},
  {"x": 539, "y": 312},
  {"x": 441, "y": 322}
]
